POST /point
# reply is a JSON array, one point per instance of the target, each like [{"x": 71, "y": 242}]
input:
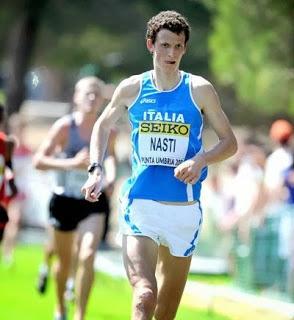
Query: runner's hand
[
  {"x": 92, "y": 187},
  {"x": 189, "y": 171}
]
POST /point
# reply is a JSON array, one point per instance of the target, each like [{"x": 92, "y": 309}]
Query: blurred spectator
[
  {"x": 245, "y": 210},
  {"x": 247, "y": 191},
  {"x": 289, "y": 224},
  {"x": 281, "y": 133},
  {"x": 289, "y": 184},
  {"x": 214, "y": 242},
  {"x": 271, "y": 230},
  {"x": 279, "y": 160}
]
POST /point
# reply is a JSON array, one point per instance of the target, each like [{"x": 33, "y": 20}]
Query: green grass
[
  {"x": 110, "y": 298},
  {"x": 212, "y": 279}
]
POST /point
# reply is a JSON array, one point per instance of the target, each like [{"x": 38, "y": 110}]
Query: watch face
[{"x": 91, "y": 167}]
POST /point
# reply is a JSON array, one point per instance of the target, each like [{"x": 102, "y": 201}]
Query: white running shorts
[{"x": 174, "y": 226}]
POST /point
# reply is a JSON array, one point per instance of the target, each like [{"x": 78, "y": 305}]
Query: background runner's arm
[
  {"x": 45, "y": 157},
  {"x": 9, "y": 173}
]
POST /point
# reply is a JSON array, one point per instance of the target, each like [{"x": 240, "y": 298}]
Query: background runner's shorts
[
  {"x": 174, "y": 226},
  {"x": 65, "y": 213}
]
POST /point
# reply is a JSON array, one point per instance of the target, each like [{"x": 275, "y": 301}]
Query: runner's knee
[
  {"x": 145, "y": 299},
  {"x": 86, "y": 256}
]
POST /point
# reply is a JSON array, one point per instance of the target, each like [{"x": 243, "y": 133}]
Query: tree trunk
[{"x": 22, "y": 40}]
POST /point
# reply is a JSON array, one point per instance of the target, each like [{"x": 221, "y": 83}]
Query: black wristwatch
[{"x": 93, "y": 166}]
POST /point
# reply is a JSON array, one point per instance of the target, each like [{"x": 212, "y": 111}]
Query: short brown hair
[{"x": 170, "y": 20}]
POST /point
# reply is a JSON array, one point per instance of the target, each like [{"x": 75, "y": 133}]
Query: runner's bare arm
[
  {"x": 123, "y": 97},
  {"x": 110, "y": 161},
  {"x": 11, "y": 142},
  {"x": 207, "y": 99}
]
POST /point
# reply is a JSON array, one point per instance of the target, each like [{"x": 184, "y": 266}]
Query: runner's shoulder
[
  {"x": 62, "y": 125},
  {"x": 129, "y": 89},
  {"x": 198, "y": 82}
]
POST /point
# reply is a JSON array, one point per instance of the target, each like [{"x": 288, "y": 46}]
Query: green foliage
[
  {"x": 251, "y": 51},
  {"x": 111, "y": 34},
  {"x": 2, "y": 97}
]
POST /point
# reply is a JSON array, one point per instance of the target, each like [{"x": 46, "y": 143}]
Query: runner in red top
[{"x": 7, "y": 186}]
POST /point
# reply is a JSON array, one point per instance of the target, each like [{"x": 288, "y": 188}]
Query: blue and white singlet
[{"x": 166, "y": 130}]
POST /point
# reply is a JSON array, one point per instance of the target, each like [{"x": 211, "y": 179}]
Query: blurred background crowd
[{"x": 243, "y": 47}]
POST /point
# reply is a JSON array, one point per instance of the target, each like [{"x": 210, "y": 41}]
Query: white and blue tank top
[{"x": 166, "y": 130}]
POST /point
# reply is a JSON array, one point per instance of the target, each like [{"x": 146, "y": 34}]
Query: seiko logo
[
  {"x": 170, "y": 128},
  {"x": 147, "y": 100}
]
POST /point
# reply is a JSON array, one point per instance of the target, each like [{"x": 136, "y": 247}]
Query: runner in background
[
  {"x": 7, "y": 185},
  {"x": 65, "y": 150}
]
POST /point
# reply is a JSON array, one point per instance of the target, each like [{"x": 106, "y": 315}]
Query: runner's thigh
[
  {"x": 90, "y": 231},
  {"x": 140, "y": 257},
  {"x": 172, "y": 275}
]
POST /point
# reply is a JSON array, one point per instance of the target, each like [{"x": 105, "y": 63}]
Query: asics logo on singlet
[{"x": 147, "y": 100}]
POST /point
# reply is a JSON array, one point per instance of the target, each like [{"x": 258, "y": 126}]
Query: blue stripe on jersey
[{"x": 167, "y": 109}]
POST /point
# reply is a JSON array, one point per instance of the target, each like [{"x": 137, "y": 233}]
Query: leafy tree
[
  {"x": 252, "y": 52},
  {"x": 25, "y": 17},
  {"x": 110, "y": 33},
  {"x": 107, "y": 34}
]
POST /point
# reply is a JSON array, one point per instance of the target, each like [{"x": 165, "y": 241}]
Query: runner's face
[
  {"x": 167, "y": 50},
  {"x": 88, "y": 98}
]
